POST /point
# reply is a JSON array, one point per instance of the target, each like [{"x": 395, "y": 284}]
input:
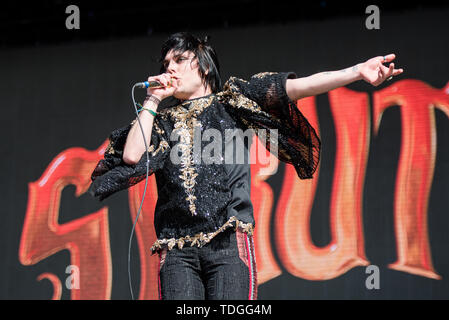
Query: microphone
[{"x": 151, "y": 84}]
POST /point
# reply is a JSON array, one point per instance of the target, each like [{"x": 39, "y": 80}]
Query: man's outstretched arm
[{"x": 372, "y": 71}]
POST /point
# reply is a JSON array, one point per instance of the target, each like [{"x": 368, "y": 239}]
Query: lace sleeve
[
  {"x": 263, "y": 103},
  {"x": 112, "y": 174}
]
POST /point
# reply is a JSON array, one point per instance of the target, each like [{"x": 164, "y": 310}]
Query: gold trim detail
[
  {"x": 163, "y": 145},
  {"x": 262, "y": 75},
  {"x": 109, "y": 148},
  {"x": 200, "y": 239},
  {"x": 231, "y": 94},
  {"x": 157, "y": 128},
  {"x": 184, "y": 116}
]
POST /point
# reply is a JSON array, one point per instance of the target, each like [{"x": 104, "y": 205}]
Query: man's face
[{"x": 184, "y": 67}]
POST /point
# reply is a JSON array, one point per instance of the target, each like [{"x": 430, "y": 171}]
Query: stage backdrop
[{"x": 373, "y": 223}]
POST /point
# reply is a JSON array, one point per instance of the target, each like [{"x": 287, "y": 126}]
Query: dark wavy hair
[{"x": 207, "y": 57}]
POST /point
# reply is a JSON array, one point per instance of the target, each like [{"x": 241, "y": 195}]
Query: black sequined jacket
[{"x": 198, "y": 200}]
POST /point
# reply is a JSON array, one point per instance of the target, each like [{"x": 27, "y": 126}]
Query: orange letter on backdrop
[
  {"x": 415, "y": 171},
  {"x": 86, "y": 238},
  {"x": 262, "y": 199},
  {"x": 146, "y": 236},
  {"x": 346, "y": 249}
]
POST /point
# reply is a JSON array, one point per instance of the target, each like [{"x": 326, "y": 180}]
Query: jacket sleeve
[
  {"x": 112, "y": 174},
  {"x": 263, "y": 103}
]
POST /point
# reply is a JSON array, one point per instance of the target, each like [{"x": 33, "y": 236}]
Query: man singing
[{"x": 204, "y": 216}]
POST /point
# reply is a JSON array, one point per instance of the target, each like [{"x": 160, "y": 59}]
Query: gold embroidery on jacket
[
  {"x": 200, "y": 239},
  {"x": 110, "y": 148},
  {"x": 163, "y": 144},
  {"x": 185, "y": 124},
  {"x": 232, "y": 95},
  {"x": 157, "y": 128},
  {"x": 262, "y": 75}
]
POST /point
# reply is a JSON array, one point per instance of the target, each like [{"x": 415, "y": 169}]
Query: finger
[
  {"x": 388, "y": 57},
  {"x": 170, "y": 79},
  {"x": 383, "y": 71},
  {"x": 172, "y": 83},
  {"x": 397, "y": 71},
  {"x": 155, "y": 78},
  {"x": 390, "y": 70},
  {"x": 164, "y": 80}
]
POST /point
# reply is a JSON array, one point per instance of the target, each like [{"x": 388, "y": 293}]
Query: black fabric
[
  {"x": 213, "y": 272},
  {"x": 112, "y": 174},
  {"x": 196, "y": 198},
  {"x": 298, "y": 142}
]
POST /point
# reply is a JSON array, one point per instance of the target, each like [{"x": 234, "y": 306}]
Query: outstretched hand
[{"x": 374, "y": 72}]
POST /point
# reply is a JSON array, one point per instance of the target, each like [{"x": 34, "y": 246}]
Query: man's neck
[{"x": 198, "y": 94}]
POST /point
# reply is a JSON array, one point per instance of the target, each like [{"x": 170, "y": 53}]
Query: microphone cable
[{"x": 144, "y": 192}]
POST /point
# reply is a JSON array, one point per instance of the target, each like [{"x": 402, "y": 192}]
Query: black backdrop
[{"x": 72, "y": 95}]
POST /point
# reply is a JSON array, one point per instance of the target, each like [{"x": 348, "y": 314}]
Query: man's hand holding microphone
[
  {"x": 134, "y": 147},
  {"x": 167, "y": 88}
]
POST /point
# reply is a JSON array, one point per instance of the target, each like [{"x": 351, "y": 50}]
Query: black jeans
[{"x": 225, "y": 268}]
